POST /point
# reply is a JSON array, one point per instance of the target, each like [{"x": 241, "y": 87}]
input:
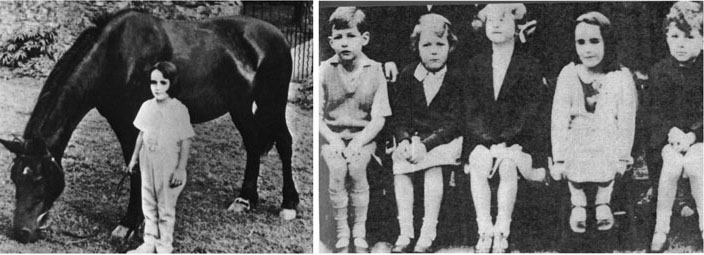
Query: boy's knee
[
  {"x": 480, "y": 161},
  {"x": 694, "y": 158},
  {"x": 670, "y": 156},
  {"x": 507, "y": 170},
  {"x": 338, "y": 198}
]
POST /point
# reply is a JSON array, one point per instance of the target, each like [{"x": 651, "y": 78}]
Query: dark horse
[{"x": 225, "y": 64}]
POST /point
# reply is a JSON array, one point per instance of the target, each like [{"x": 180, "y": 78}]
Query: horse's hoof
[
  {"x": 239, "y": 205},
  {"x": 121, "y": 233},
  {"x": 287, "y": 214}
]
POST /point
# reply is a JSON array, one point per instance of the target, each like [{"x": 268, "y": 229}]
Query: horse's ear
[{"x": 15, "y": 147}]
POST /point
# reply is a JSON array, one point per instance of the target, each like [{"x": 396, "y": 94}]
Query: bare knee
[
  {"x": 508, "y": 171},
  {"x": 693, "y": 161},
  {"x": 480, "y": 162}
]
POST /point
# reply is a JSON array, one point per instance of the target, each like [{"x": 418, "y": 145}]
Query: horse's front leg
[
  {"x": 129, "y": 224},
  {"x": 246, "y": 124},
  {"x": 127, "y": 136}
]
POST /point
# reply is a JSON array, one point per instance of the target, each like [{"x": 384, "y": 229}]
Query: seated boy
[
  {"x": 354, "y": 104},
  {"x": 675, "y": 110}
]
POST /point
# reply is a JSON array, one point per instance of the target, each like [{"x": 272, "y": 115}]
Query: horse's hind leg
[
  {"x": 249, "y": 130},
  {"x": 284, "y": 143}
]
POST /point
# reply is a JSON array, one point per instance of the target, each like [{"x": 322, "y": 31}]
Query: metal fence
[{"x": 295, "y": 19}]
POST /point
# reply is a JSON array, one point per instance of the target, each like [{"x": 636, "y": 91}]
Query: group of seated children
[{"x": 492, "y": 116}]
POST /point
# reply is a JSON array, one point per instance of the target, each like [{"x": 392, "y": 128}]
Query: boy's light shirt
[{"x": 431, "y": 81}]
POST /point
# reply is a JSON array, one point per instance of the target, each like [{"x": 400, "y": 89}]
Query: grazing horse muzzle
[
  {"x": 25, "y": 235},
  {"x": 39, "y": 180}
]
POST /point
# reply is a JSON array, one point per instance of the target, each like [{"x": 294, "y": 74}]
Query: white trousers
[{"x": 158, "y": 199}]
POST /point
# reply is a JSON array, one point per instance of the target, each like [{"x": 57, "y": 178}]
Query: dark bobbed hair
[
  {"x": 610, "y": 61},
  {"x": 435, "y": 23},
  {"x": 348, "y": 17},
  {"x": 170, "y": 72}
]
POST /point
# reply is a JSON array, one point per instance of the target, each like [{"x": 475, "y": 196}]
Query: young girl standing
[
  {"x": 162, "y": 152},
  {"x": 426, "y": 105},
  {"x": 593, "y": 120}
]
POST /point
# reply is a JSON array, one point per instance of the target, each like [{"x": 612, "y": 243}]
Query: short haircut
[
  {"x": 687, "y": 16},
  {"x": 436, "y": 23},
  {"x": 170, "y": 72},
  {"x": 348, "y": 17},
  {"x": 610, "y": 61}
]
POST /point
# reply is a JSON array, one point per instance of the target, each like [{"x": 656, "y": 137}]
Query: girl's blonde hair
[{"x": 436, "y": 23}]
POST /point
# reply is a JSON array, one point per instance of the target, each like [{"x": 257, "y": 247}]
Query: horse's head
[{"x": 39, "y": 180}]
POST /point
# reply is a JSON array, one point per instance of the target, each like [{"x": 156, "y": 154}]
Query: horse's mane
[
  {"x": 71, "y": 59},
  {"x": 85, "y": 41}
]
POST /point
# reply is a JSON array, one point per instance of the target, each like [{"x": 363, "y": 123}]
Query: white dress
[{"x": 593, "y": 125}]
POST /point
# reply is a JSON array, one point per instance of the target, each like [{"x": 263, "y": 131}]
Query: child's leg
[
  {"x": 359, "y": 197},
  {"x": 149, "y": 205},
  {"x": 167, "y": 215},
  {"x": 480, "y": 162},
  {"x": 338, "y": 193},
  {"x": 403, "y": 188},
  {"x": 432, "y": 199},
  {"x": 693, "y": 167},
  {"x": 506, "y": 196},
  {"x": 578, "y": 215},
  {"x": 604, "y": 215},
  {"x": 667, "y": 188},
  {"x": 506, "y": 199}
]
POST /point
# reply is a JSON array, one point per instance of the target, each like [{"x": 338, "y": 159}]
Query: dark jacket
[
  {"x": 437, "y": 123},
  {"x": 674, "y": 99},
  {"x": 520, "y": 115}
]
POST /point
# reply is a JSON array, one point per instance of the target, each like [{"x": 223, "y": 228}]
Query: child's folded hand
[
  {"x": 130, "y": 168},
  {"x": 177, "y": 178},
  {"x": 418, "y": 151}
]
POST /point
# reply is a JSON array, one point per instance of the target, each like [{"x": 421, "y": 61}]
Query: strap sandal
[
  {"x": 342, "y": 245},
  {"x": 500, "y": 243},
  {"x": 401, "y": 245},
  {"x": 578, "y": 218},
  {"x": 360, "y": 245},
  {"x": 484, "y": 243},
  {"x": 423, "y": 245},
  {"x": 604, "y": 217}
]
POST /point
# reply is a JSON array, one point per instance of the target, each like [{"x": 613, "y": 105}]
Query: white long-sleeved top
[{"x": 605, "y": 135}]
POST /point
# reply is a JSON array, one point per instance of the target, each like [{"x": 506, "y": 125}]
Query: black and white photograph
[
  {"x": 156, "y": 127},
  {"x": 531, "y": 127}
]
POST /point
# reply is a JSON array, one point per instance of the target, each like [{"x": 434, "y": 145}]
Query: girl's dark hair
[
  {"x": 610, "y": 61},
  {"x": 170, "y": 72}
]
